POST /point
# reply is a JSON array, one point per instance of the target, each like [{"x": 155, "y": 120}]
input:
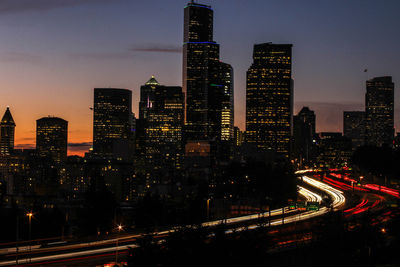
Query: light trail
[
  {"x": 360, "y": 205},
  {"x": 336, "y": 195},
  {"x": 311, "y": 196}
]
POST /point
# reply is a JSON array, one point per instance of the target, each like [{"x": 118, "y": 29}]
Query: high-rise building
[
  {"x": 147, "y": 94},
  {"x": 51, "y": 138},
  {"x": 269, "y": 98},
  {"x": 303, "y": 133},
  {"x": 354, "y": 127},
  {"x": 7, "y": 129},
  {"x": 207, "y": 82},
  {"x": 113, "y": 124},
  {"x": 379, "y": 111},
  {"x": 161, "y": 139}
]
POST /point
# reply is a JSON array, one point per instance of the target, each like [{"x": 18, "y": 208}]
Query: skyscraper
[
  {"x": 207, "y": 82},
  {"x": 379, "y": 111},
  {"x": 7, "y": 128},
  {"x": 112, "y": 123},
  {"x": 354, "y": 127},
  {"x": 303, "y": 133},
  {"x": 160, "y": 132},
  {"x": 51, "y": 138},
  {"x": 269, "y": 98}
]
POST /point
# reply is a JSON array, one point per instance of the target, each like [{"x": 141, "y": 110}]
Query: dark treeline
[
  {"x": 269, "y": 183},
  {"x": 333, "y": 243},
  {"x": 378, "y": 161}
]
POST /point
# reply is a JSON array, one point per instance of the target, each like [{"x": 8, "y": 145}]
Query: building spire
[
  {"x": 152, "y": 81},
  {"x": 7, "y": 118}
]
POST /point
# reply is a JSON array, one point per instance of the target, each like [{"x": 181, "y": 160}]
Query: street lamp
[
  {"x": 30, "y": 214},
  {"x": 116, "y": 252}
]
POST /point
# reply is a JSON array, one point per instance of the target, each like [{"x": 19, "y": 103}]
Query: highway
[{"x": 64, "y": 253}]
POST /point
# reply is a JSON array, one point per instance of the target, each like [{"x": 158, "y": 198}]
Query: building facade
[
  {"x": 303, "y": 135},
  {"x": 354, "y": 127},
  {"x": 379, "y": 111},
  {"x": 269, "y": 98},
  {"x": 160, "y": 142},
  {"x": 113, "y": 133},
  {"x": 52, "y": 138}
]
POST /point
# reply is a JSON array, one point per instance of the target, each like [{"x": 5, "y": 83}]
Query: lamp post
[
  {"x": 30, "y": 214},
  {"x": 16, "y": 243},
  {"x": 116, "y": 252},
  {"x": 208, "y": 209}
]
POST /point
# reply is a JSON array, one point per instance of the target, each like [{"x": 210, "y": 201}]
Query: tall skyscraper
[
  {"x": 7, "y": 129},
  {"x": 303, "y": 133},
  {"x": 269, "y": 98},
  {"x": 379, "y": 111},
  {"x": 51, "y": 138},
  {"x": 207, "y": 82},
  {"x": 112, "y": 123},
  {"x": 354, "y": 127},
  {"x": 159, "y": 144}
]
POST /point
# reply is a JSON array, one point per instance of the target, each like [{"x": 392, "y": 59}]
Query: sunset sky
[{"x": 54, "y": 52}]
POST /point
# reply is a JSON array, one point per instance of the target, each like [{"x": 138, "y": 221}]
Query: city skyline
[{"x": 50, "y": 68}]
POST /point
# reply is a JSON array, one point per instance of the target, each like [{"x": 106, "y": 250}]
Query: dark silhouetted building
[
  {"x": 238, "y": 136},
  {"x": 304, "y": 134},
  {"x": 354, "y": 127},
  {"x": 207, "y": 82},
  {"x": 113, "y": 135},
  {"x": 51, "y": 138},
  {"x": 379, "y": 111},
  {"x": 269, "y": 98},
  {"x": 396, "y": 142},
  {"x": 7, "y": 128}
]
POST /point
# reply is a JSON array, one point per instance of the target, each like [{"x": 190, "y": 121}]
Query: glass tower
[{"x": 207, "y": 82}]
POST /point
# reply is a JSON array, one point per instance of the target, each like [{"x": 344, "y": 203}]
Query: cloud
[
  {"x": 25, "y": 146},
  {"x": 17, "y": 6},
  {"x": 102, "y": 56},
  {"x": 78, "y": 148},
  {"x": 156, "y": 48},
  {"x": 79, "y": 145},
  {"x": 20, "y": 57}
]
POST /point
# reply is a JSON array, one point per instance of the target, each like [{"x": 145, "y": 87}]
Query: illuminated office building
[
  {"x": 161, "y": 113},
  {"x": 113, "y": 120},
  {"x": 269, "y": 98},
  {"x": 51, "y": 138},
  {"x": 379, "y": 111},
  {"x": 7, "y": 128},
  {"x": 207, "y": 82}
]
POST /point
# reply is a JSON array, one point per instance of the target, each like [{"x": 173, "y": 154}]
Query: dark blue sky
[{"x": 53, "y": 52}]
